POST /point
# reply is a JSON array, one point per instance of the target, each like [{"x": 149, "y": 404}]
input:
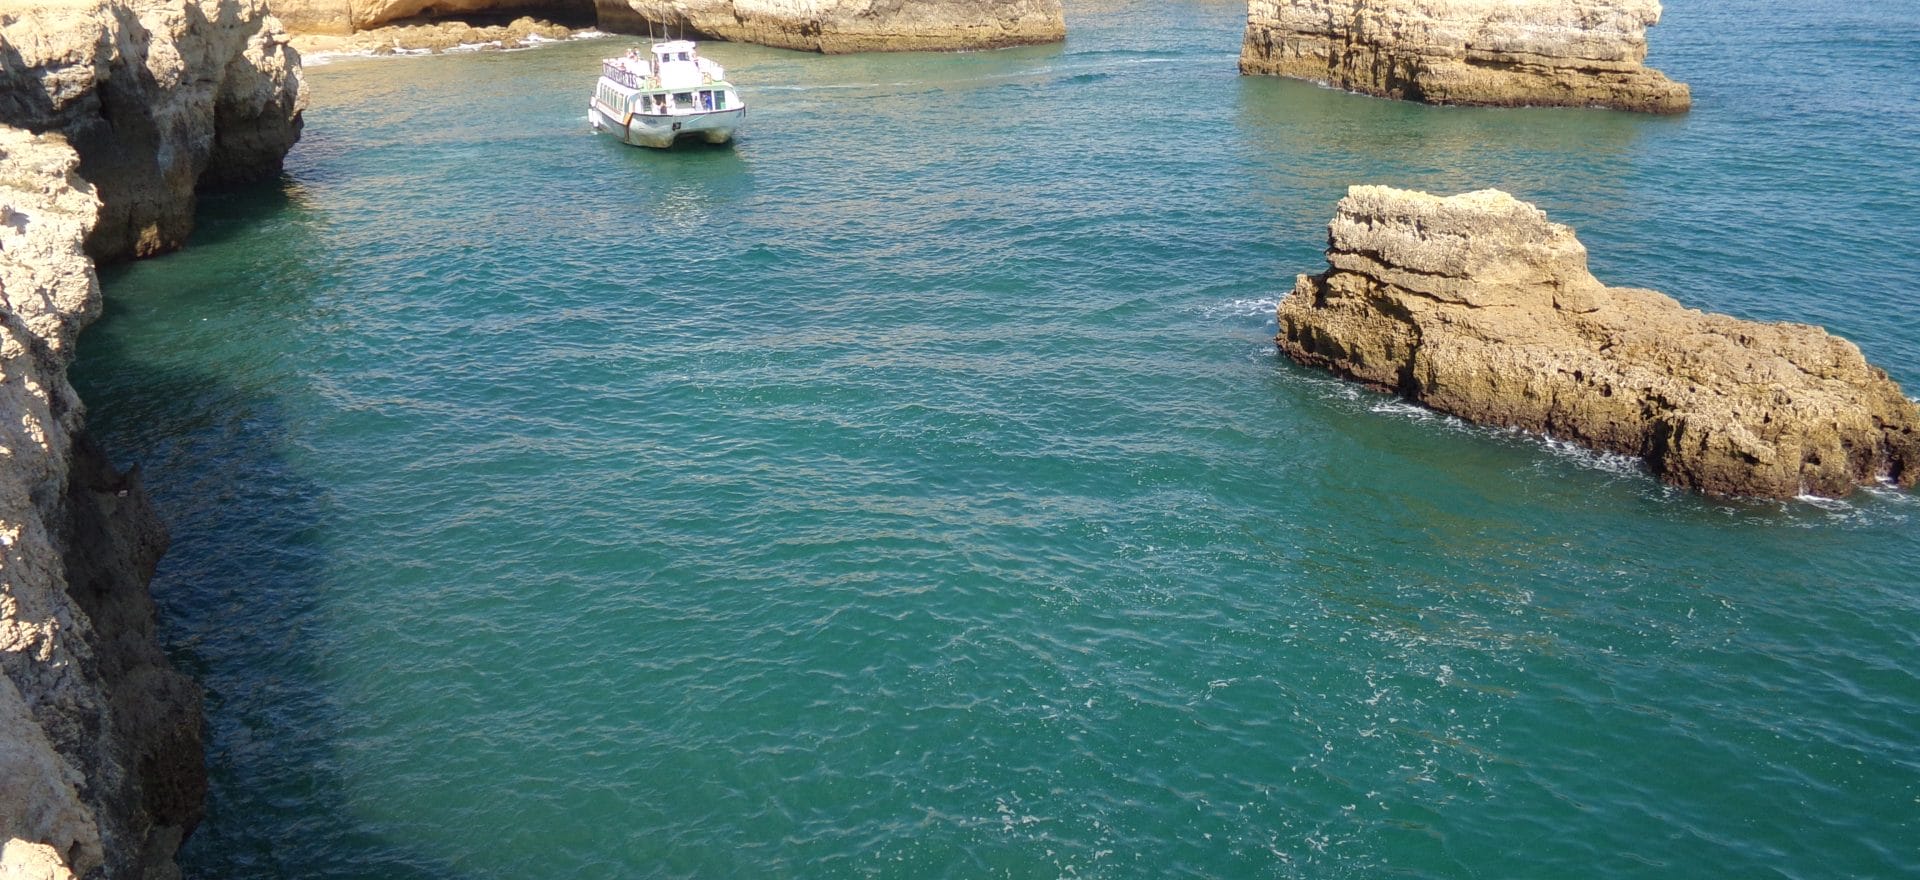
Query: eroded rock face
[
  {"x": 1476, "y": 305},
  {"x": 438, "y": 36},
  {"x": 349, "y": 16},
  {"x": 159, "y": 97},
  {"x": 1576, "y": 53},
  {"x": 836, "y": 26},
  {"x": 100, "y": 751}
]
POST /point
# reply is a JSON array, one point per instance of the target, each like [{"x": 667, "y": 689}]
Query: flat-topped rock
[
  {"x": 837, "y": 26},
  {"x": 1577, "y": 53},
  {"x": 1478, "y": 306}
]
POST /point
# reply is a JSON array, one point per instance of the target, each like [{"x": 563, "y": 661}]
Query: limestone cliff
[
  {"x": 836, "y": 26},
  {"x": 1577, "y": 53},
  {"x": 111, "y": 113},
  {"x": 159, "y": 97},
  {"x": 1476, "y": 305},
  {"x": 100, "y": 755}
]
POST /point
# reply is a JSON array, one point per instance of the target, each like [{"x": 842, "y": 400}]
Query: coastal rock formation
[
  {"x": 837, "y": 26},
  {"x": 159, "y": 97},
  {"x": 1579, "y": 53},
  {"x": 350, "y": 16},
  {"x": 112, "y": 112},
  {"x": 437, "y": 36},
  {"x": 1476, "y": 305},
  {"x": 101, "y": 773}
]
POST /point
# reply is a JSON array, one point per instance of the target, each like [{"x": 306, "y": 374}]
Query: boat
[{"x": 670, "y": 93}]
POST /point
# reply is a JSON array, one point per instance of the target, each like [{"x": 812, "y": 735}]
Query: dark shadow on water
[{"x": 241, "y": 593}]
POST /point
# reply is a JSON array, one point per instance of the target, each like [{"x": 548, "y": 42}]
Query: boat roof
[{"x": 674, "y": 46}]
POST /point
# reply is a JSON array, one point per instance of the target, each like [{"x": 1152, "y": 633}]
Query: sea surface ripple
[{"x": 912, "y": 490}]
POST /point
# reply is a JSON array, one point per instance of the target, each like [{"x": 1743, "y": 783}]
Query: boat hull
[{"x": 644, "y": 130}]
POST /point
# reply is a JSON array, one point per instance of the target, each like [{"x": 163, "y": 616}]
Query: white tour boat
[{"x": 673, "y": 93}]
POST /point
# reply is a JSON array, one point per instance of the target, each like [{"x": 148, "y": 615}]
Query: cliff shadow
[{"x": 241, "y": 593}]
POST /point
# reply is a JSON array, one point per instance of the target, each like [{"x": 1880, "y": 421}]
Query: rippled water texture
[{"x": 913, "y": 490}]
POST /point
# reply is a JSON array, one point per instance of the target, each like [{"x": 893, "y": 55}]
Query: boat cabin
[{"x": 668, "y": 92}]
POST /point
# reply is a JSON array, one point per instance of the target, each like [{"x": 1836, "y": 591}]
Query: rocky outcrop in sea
[
  {"x": 1581, "y": 53},
  {"x": 1478, "y": 306},
  {"x": 836, "y": 26},
  {"x": 158, "y": 98},
  {"x": 111, "y": 112}
]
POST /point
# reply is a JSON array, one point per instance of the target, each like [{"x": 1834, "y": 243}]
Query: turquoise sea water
[{"x": 913, "y": 490}]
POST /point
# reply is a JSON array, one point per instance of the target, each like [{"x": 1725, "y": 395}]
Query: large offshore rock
[
  {"x": 836, "y": 26},
  {"x": 1571, "y": 53},
  {"x": 158, "y": 96},
  {"x": 101, "y": 770},
  {"x": 1477, "y": 305}
]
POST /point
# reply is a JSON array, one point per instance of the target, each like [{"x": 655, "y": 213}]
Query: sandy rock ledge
[
  {"x": 436, "y": 37},
  {"x": 1576, "y": 53},
  {"x": 838, "y": 26},
  {"x": 1478, "y": 306}
]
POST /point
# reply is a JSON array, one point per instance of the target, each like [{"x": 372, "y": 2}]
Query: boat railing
[{"x": 621, "y": 75}]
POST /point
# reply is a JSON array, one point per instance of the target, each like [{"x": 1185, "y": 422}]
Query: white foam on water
[
  {"x": 1242, "y": 308},
  {"x": 476, "y": 47},
  {"x": 1823, "y": 502},
  {"x": 1406, "y": 408},
  {"x": 1616, "y": 463}
]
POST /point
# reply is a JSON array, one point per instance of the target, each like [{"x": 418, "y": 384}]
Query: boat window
[
  {"x": 719, "y": 100},
  {"x": 683, "y": 99}
]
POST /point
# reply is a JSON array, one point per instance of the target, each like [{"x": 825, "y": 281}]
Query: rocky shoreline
[
  {"x": 1478, "y": 306},
  {"x": 829, "y": 27},
  {"x": 436, "y": 37},
  {"x": 112, "y": 115},
  {"x": 1589, "y": 53},
  {"x": 835, "y": 27}
]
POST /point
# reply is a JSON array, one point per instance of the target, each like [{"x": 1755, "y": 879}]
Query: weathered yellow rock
[
  {"x": 100, "y": 754},
  {"x": 158, "y": 96},
  {"x": 349, "y": 16},
  {"x": 1476, "y": 305},
  {"x": 836, "y": 26},
  {"x": 435, "y": 36},
  {"x": 1570, "y": 53}
]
